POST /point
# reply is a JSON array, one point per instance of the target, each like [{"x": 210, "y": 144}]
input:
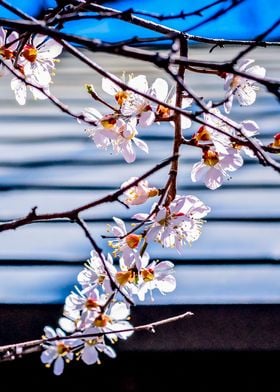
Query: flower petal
[
  {"x": 110, "y": 87},
  {"x": 58, "y": 366},
  {"x": 89, "y": 355}
]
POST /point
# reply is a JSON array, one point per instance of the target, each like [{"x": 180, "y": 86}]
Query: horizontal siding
[
  {"x": 195, "y": 285},
  {"x": 46, "y": 160}
]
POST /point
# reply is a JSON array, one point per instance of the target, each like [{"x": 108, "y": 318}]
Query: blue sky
[{"x": 246, "y": 21}]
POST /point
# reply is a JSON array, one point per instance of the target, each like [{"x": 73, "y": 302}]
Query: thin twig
[
  {"x": 98, "y": 250},
  {"x": 13, "y": 351},
  {"x": 71, "y": 214}
]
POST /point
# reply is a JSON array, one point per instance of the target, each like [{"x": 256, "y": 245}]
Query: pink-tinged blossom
[
  {"x": 36, "y": 64},
  {"x": 244, "y": 89},
  {"x": 20, "y": 89},
  {"x": 164, "y": 112},
  {"x": 214, "y": 167},
  {"x": 110, "y": 130},
  {"x": 145, "y": 277},
  {"x": 177, "y": 224},
  {"x": 133, "y": 104},
  {"x": 105, "y": 130},
  {"x": 57, "y": 352},
  {"x": 126, "y": 139},
  {"x": 223, "y": 141},
  {"x": 139, "y": 193},
  {"x": 83, "y": 307},
  {"x": 38, "y": 58},
  {"x": 156, "y": 275},
  {"x": 125, "y": 245}
]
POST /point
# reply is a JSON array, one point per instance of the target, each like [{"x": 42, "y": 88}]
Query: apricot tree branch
[
  {"x": 14, "y": 351},
  {"x": 71, "y": 215}
]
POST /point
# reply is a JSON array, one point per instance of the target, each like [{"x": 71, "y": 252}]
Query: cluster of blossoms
[
  {"x": 96, "y": 314},
  {"x": 119, "y": 129},
  {"x": 220, "y": 139},
  {"x": 34, "y": 62}
]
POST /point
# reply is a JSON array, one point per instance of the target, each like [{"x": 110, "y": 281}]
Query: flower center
[
  {"x": 210, "y": 158},
  {"x": 92, "y": 342},
  {"x": 202, "y": 134},
  {"x": 163, "y": 111},
  {"x": 91, "y": 304},
  {"x": 30, "y": 53},
  {"x": 101, "y": 278},
  {"x": 6, "y": 53},
  {"x": 153, "y": 192},
  {"x": 235, "y": 82},
  {"x": 102, "y": 320},
  {"x": 147, "y": 274},
  {"x": 276, "y": 141},
  {"x": 121, "y": 96},
  {"x": 124, "y": 277},
  {"x": 132, "y": 240},
  {"x": 62, "y": 349},
  {"x": 108, "y": 121}
]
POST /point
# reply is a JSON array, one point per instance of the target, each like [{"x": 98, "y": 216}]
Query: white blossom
[
  {"x": 58, "y": 351},
  {"x": 214, "y": 167},
  {"x": 177, "y": 224},
  {"x": 244, "y": 89},
  {"x": 139, "y": 193}
]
